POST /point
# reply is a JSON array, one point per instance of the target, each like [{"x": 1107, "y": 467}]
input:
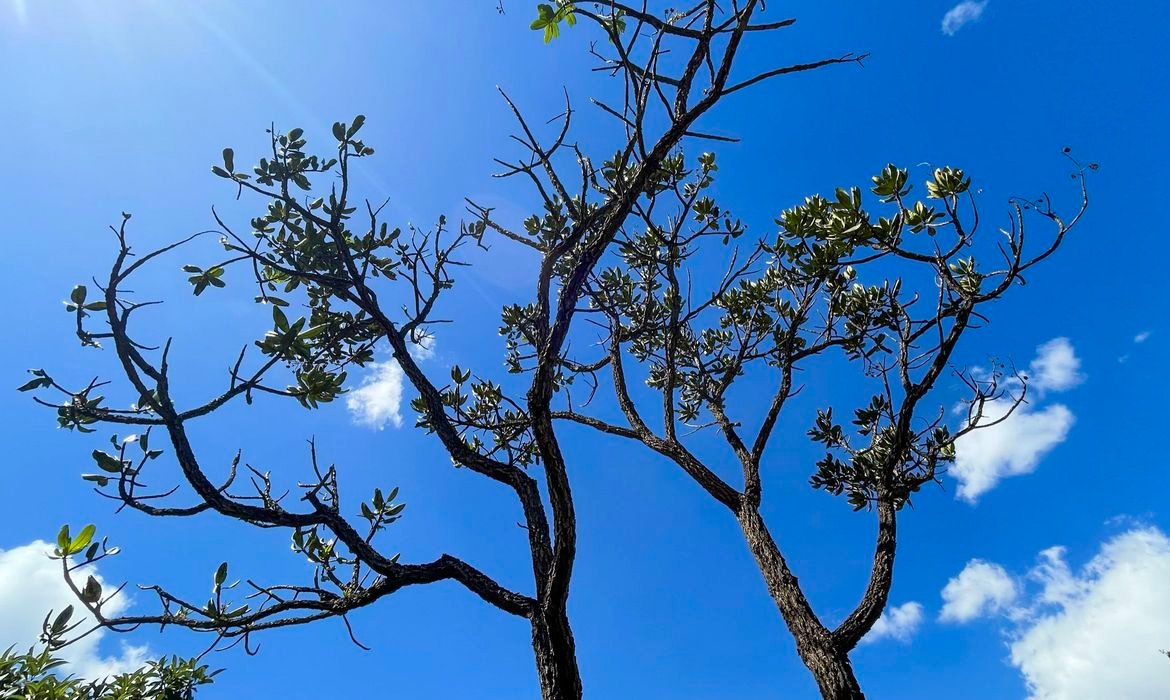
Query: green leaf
[
  {"x": 358, "y": 121},
  {"x": 339, "y": 131},
  {"x": 550, "y": 19},
  {"x": 35, "y": 384},
  {"x": 545, "y": 15},
  {"x": 77, "y": 296},
  {"x": 62, "y": 619},
  {"x": 107, "y": 463},
  {"x": 221, "y": 574},
  {"x": 314, "y": 331},
  {"x": 229, "y": 160},
  {"x": 279, "y": 318},
  {"x": 63, "y": 538},
  {"x": 82, "y": 540},
  {"x": 193, "y": 269}
]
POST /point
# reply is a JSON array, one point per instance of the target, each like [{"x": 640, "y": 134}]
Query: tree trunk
[
  {"x": 833, "y": 673},
  {"x": 556, "y": 656},
  {"x": 814, "y": 642}
]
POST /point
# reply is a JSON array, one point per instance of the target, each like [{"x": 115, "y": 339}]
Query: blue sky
[{"x": 123, "y": 106}]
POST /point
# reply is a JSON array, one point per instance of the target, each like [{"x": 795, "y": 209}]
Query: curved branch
[{"x": 877, "y": 592}]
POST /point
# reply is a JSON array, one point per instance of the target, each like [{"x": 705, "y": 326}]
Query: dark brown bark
[
  {"x": 834, "y": 675},
  {"x": 815, "y": 644},
  {"x": 881, "y": 579},
  {"x": 556, "y": 656}
]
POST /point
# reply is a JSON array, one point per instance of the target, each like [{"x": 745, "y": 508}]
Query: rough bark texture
[
  {"x": 881, "y": 579},
  {"x": 556, "y": 657},
  {"x": 815, "y": 644}
]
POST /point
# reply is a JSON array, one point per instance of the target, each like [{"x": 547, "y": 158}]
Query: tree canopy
[
  {"x": 40, "y": 675},
  {"x": 885, "y": 279}
]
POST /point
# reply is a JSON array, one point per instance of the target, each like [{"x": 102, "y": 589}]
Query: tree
[
  {"x": 616, "y": 242},
  {"x": 36, "y": 675}
]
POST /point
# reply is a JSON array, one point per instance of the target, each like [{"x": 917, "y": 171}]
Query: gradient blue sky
[{"x": 124, "y": 105}]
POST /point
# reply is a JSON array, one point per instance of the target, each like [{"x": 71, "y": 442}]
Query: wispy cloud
[
  {"x": 897, "y": 622},
  {"x": 1138, "y": 340},
  {"x": 961, "y": 15},
  {"x": 30, "y": 586},
  {"x": 1017, "y": 442},
  {"x": 1080, "y": 635},
  {"x": 20, "y": 8}
]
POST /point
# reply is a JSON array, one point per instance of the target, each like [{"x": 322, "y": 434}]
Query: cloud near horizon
[
  {"x": 30, "y": 586},
  {"x": 1079, "y": 635}
]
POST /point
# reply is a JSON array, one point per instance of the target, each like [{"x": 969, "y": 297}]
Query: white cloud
[
  {"x": 31, "y": 585},
  {"x": 897, "y": 622},
  {"x": 987, "y": 455},
  {"x": 422, "y": 347},
  {"x": 1138, "y": 340},
  {"x": 1095, "y": 633},
  {"x": 1011, "y": 445},
  {"x": 981, "y": 588},
  {"x": 961, "y": 15},
  {"x": 378, "y": 399},
  {"x": 1056, "y": 367},
  {"x": 376, "y": 402}
]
